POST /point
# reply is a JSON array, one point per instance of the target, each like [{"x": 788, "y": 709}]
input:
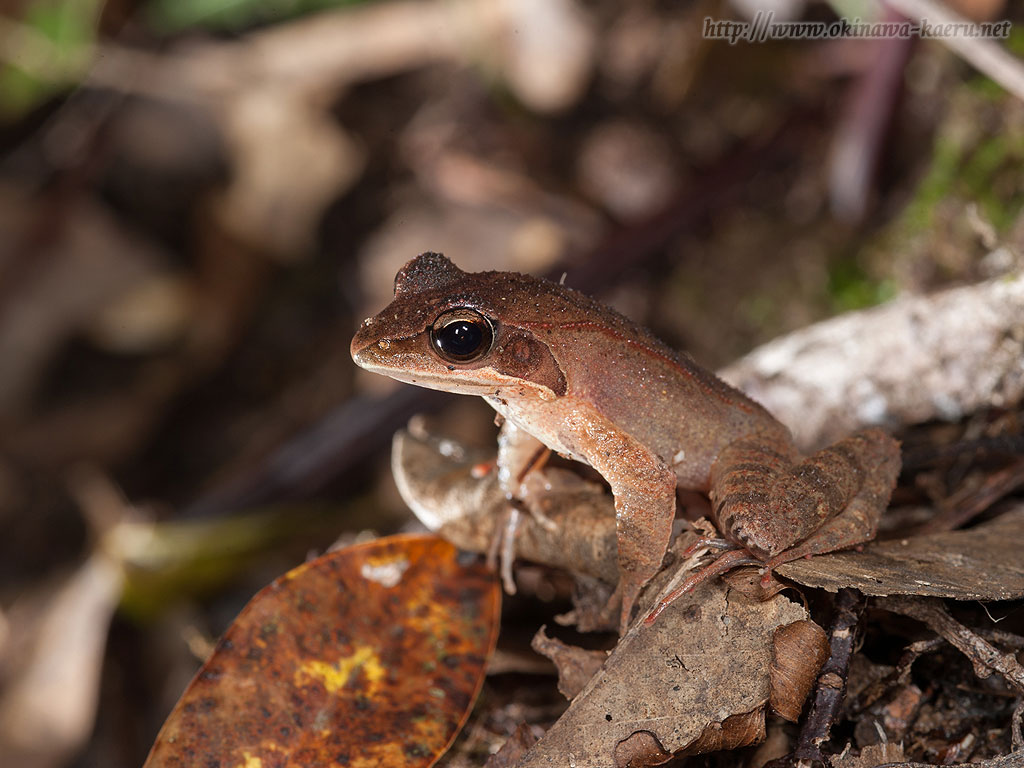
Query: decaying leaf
[
  {"x": 696, "y": 680},
  {"x": 436, "y": 479},
  {"x": 370, "y": 655}
]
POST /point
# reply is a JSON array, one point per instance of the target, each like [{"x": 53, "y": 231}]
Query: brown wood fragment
[
  {"x": 870, "y": 756},
  {"x": 575, "y": 665},
  {"x": 513, "y": 749},
  {"x": 982, "y": 563}
]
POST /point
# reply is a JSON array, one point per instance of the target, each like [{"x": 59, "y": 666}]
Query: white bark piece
[{"x": 913, "y": 360}]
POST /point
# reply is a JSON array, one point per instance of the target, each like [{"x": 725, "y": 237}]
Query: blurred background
[{"x": 201, "y": 199}]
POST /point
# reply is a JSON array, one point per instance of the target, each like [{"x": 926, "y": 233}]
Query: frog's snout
[{"x": 364, "y": 342}]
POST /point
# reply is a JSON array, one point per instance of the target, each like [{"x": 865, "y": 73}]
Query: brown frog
[{"x": 574, "y": 375}]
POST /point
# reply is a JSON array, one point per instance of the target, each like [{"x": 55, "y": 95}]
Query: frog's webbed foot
[
  {"x": 722, "y": 564},
  {"x": 535, "y": 493}
]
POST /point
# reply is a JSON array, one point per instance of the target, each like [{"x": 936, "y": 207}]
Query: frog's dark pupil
[{"x": 460, "y": 338}]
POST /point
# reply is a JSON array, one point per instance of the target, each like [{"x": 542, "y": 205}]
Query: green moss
[
  {"x": 51, "y": 50},
  {"x": 935, "y": 186},
  {"x": 975, "y": 160},
  {"x": 173, "y": 16},
  {"x": 850, "y": 287},
  {"x": 999, "y": 157}
]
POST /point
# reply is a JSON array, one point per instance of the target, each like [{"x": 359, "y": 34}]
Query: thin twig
[
  {"x": 1016, "y": 727},
  {"x": 985, "y": 657},
  {"x": 985, "y": 55},
  {"x": 828, "y": 700},
  {"x": 1013, "y": 760}
]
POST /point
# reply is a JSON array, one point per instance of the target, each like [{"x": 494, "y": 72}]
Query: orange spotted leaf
[{"x": 367, "y": 656}]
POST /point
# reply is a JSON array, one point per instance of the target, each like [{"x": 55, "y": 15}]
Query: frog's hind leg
[
  {"x": 856, "y": 524},
  {"x": 780, "y": 510},
  {"x": 770, "y": 506},
  {"x": 707, "y": 542}
]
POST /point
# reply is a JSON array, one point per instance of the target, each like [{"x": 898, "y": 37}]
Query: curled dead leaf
[
  {"x": 798, "y": 651},
  {"x": 575, "y": 665},
  {"x": 740, "y": 730},
  {"x": 640, "y": 749}
]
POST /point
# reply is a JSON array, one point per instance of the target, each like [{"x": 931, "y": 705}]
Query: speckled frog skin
[{"x": 574, "y": 375}]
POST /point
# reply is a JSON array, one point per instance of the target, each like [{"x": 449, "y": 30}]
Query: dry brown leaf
[{"x": 695, "y": 681}]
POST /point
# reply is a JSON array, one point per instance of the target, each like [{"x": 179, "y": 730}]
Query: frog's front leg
[
  {"x": 644, "y": 488},
  {"x": 519, "y": 453},
  {"x": 779, "y": 510}
]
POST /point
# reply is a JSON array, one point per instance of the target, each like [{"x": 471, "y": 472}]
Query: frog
[{"x": 568, "y": 374}]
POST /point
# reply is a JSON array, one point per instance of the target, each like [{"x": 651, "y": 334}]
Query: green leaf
[
  {"x": 173, "y": 16},
  {"x": 47, "y": 49}
]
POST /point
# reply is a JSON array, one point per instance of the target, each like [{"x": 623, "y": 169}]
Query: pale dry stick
[
  {"x": 316, "y": 54},
  {"x": 985, "y": 55}
]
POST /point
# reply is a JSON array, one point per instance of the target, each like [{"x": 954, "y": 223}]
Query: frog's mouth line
[{"x": 445, "y": 382}]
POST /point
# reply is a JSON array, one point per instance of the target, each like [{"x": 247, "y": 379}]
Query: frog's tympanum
[{"x": 569, "y": 373}]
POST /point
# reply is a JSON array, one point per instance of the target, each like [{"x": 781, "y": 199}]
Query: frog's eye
[{"x": 461, "y": 335}]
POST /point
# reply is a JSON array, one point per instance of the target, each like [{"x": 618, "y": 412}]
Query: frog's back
[{"x": 629, "y": 377}]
